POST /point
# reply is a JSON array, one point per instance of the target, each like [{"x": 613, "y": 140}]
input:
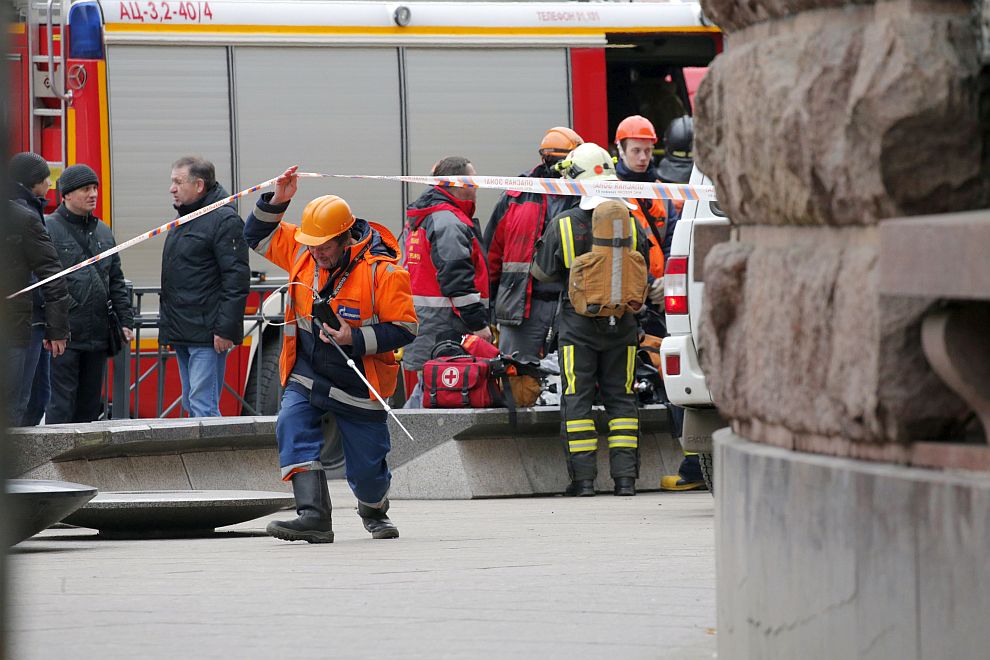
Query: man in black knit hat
[
  {"x": 37, "y": 329},
  {"x": 77, "y": 376}
]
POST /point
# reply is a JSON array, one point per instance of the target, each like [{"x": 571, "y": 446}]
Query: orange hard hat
[
  {"x": 559, "y": 141},
  {"x": 636, "y": 127},
  {"x": 324, "y": 218}
]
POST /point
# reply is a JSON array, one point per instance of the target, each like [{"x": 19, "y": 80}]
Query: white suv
[{"x": 702, "y": 226}]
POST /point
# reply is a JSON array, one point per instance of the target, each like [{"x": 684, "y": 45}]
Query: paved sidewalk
[{"x": 602, "y": 577}]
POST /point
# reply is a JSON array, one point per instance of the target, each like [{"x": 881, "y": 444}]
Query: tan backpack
[{"x": 611, "y": 278}]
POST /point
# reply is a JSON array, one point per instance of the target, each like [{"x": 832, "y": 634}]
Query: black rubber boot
[
  {"x": 376, "y": 522},
  {"x": 581, "y": 488},
  {"x": 625, "y": 486},
  {"x": 313, "y": 506}
]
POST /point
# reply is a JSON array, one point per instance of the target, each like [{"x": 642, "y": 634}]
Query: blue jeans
[
  {"x": 15, "y": 365},
  {"x": 201, "y": 372},
  {"x": 366, "y": 445},
  {"x": 40, "y": 378},
  {"x": 415, "y": 398}
]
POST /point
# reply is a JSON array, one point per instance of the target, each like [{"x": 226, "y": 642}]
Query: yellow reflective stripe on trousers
[
  {"x": 630, "y": 441},
  {"x": 623, "y": 424},
  {"x": 568, "y": 353},
  {"x": 630, "y": 367},
  {"x": 567, "y": 240},
  {"x": 575, "y": 446},
  {"x": 576, "y": 425}
]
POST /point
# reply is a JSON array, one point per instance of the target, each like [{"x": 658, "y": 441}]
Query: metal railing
[{"x": 131, "y": 369}]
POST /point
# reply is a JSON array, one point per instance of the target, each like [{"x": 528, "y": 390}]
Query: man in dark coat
[
  {"x": 205, "y": 280},
  {"x": 77, "y": 376},
  {"x": 30, "y": 180},
  {"x": 29, "y": 251}
]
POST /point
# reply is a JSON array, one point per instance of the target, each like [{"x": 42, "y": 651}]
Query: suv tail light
[
  {"x": 675, "y": 286},
  {"x": 672, "y": 364}
]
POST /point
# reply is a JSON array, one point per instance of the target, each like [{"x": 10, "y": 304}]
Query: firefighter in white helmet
[{"x": 597, "y": 352}]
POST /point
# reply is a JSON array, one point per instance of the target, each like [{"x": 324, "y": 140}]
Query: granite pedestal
[{"x": 824, "y": 557}]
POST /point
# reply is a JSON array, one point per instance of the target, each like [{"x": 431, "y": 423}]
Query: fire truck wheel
[{"x": 263, "y": 382}]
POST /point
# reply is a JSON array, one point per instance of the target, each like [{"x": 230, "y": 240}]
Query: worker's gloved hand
[{"x": 655, "y": 294}]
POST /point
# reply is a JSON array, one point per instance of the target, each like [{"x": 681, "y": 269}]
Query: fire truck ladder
[{"x": 48, "y": 83}]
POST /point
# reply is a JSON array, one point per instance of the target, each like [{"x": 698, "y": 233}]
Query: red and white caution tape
[
  {"x": 145, "y": 236},
  {"x": 597, "y": 188}
]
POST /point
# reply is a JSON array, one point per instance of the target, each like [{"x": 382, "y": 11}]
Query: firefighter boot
[
  {"x": 625, "y": 486},
  {"x": 688, "y": 477},
  {"x": 313, "y": 506},
  {"x": 376, "y": 522},
  {"x": 581, "y": 488}
]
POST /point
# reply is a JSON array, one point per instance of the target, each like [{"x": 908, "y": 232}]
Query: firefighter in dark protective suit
[{"x": 596, "y": 352}]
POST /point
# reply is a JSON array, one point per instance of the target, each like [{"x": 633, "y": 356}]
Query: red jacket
[{"x": 515, "y": 226}]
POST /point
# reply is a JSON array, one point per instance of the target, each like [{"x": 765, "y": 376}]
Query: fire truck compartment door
[{"x": 165, "y": 102}]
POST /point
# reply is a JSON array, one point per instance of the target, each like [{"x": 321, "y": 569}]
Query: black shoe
[
  {"x": 313, "y": 506},
  {"x": 581, "y": 488},
  {"x": 376, "y": 522},
  {"x": 625, "y": 486}
]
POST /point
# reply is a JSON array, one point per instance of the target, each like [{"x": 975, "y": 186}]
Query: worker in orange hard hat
[
  {"x": 524, "y": 308},
  {"x": 350, "y": 264},
  {"x": 634, "y": 140}
]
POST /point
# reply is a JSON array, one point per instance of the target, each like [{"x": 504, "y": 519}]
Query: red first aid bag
[{"x": 461, "y": 381}]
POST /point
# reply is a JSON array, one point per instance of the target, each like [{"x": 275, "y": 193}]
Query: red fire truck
[{"x": 128, "y": 86}]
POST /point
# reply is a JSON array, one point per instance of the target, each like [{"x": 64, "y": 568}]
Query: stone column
[{"x": 822, "y": 118}]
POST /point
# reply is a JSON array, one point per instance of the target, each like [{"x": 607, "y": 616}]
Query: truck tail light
[
  {"x": 672, "y": 364},
  {"x": 675, "y": 286}
]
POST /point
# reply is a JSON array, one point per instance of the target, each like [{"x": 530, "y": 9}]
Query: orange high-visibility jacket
[
  {"x": 387, "y": 299},
  {"x": 647, "y": 212}
]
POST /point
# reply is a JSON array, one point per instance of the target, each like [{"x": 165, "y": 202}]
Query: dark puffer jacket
[
  {"x": 92, "y": 286},
  {"x": 29, "y": 250},
  {"x": 27, "y": 199},
  {"x": 205, "y": 276}
]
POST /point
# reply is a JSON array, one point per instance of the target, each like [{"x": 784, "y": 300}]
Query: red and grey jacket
[
  {"x": 510, "y": 238},
  {"x": 447, "y": 270}
]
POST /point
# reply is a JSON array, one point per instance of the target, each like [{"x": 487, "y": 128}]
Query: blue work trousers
[
  {"x": 366, "y": 445},
  {"x": 201, "y": 372}
]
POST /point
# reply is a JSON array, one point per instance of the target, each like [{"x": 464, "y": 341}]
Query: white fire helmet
[{"x": 586, "y": 162}]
